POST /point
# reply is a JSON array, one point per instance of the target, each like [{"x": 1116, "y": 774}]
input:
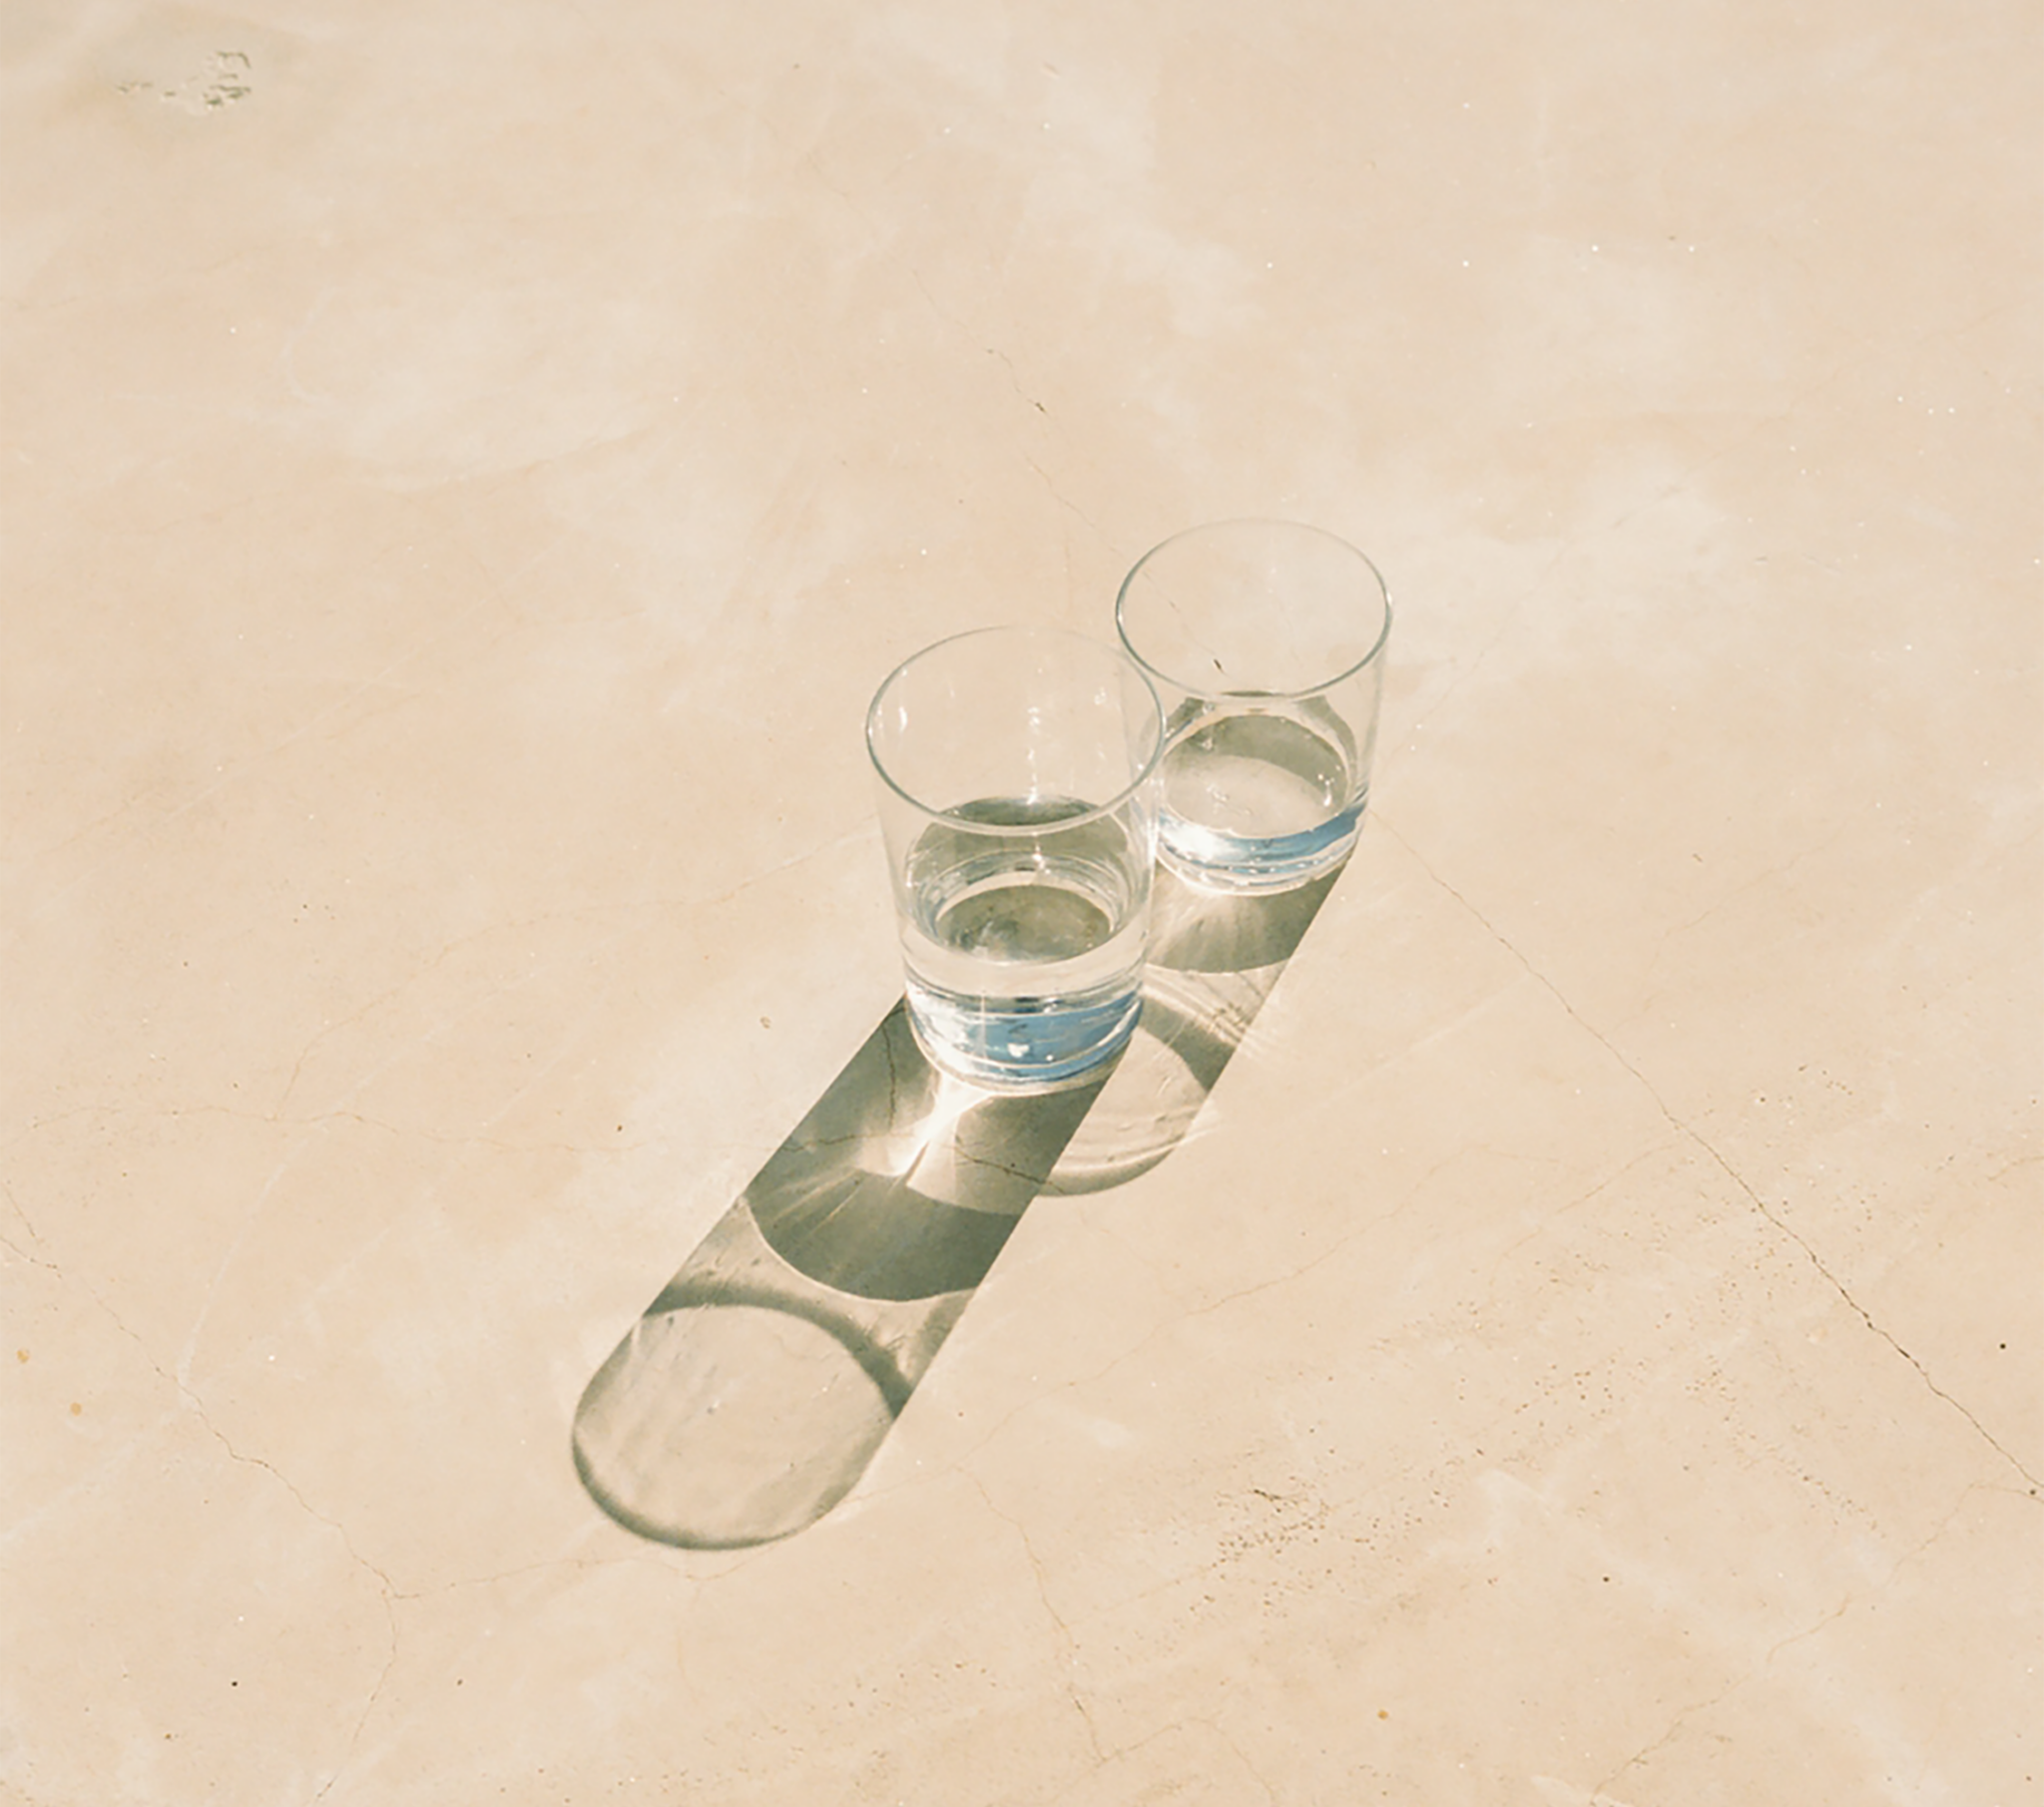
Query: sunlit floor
[{"x": 1551, "y": 1320}]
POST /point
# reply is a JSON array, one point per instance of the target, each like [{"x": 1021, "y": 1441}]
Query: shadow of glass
[{"x": 752, "y": 1393}]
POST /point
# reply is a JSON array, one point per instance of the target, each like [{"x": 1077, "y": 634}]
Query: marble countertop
[{"x": 1579, "y": 1342}]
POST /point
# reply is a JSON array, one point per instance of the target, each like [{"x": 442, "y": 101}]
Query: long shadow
[{"x": 752, "y": 1393}]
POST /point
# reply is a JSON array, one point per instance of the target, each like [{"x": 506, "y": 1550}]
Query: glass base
[
  {"x": 1023, "y": 1044},
  {"x": 1217, "y": 860}
]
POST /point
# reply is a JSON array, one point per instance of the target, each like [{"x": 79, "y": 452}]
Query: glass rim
[
  {"x": 1204, "y": 528},
  {"x": 1121, "y": 655}
]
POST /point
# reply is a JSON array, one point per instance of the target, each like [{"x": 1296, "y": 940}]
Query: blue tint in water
[{"x": 1245, "y": 862}]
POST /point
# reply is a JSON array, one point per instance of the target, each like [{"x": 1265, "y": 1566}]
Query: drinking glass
[
  {"x": 1266, "y": 642},
  {"x": 1017, "y": 778}
]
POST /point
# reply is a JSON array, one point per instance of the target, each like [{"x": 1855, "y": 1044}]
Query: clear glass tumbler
[
  {"x": 1017, "y": 778},
  {"x": 1266, "y": 640}
]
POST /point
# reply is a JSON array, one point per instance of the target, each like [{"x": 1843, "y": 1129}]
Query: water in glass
[{"x": 1025, "y": 952}]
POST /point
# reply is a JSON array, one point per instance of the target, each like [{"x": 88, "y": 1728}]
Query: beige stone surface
[{"x": 466, "y": 468}]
